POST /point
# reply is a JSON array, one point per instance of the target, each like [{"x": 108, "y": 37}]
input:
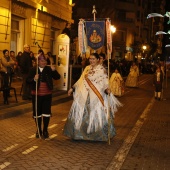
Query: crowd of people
[
  {"x": 35, "y": 72},
  {"x": 14, "y": 66},
  {"x": 91, "y": 116}
]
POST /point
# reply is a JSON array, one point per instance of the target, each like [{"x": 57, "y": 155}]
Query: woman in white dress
[
  {"x": 88, "y": 116},
  {"x": 116, "y": 83}
]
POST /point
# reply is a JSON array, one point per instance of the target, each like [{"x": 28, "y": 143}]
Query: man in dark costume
[{"x": 44, "y": 78}]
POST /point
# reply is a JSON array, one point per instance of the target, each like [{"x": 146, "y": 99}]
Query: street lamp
[
  {"x": 144, "y": 48},
  {"x": 113, "y": 28}
]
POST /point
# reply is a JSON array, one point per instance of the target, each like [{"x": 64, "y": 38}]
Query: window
[
  {"x": 15, "y": 25},
  {"x": 14, "y": 34}
]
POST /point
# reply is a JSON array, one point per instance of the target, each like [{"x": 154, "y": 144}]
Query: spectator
[
  {"x": 33, "y": 60},
  {"x": 26, "y": 64},
  {"x": 18, "y": 69},
  {"x": 7, "y": 69},
  {"x": 50, "y": 60}
]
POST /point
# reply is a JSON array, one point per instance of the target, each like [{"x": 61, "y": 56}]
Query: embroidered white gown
[{"x": 88, "y": 116}]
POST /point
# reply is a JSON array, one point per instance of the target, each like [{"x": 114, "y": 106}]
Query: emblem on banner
[
  {"x": 95, "y": 38},
  {"x": 95, "y": 31}
]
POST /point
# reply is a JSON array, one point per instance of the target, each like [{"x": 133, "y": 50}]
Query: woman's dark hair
[
  {"x": 41, "y": 51},
  {"x": 49, "y": 54},
  {"x": 96, "y": 55},
  {"x": 102, "y": 55},
  {"x": 20, "y": 52},
  {"x": 4, "y": 51}
]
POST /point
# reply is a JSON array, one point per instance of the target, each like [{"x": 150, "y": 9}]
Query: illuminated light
[
  {"x": 167, "y": 14},
  {"x": 154, "y": 15},
  {"x": 113, "y": 28},
  {"x": 144, "y": 47},
  {"x": 70, "y": 2},
  {"x": 160, "y": 32}
]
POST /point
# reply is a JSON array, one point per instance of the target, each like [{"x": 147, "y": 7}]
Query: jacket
[
  {"x": 47, "y": 76},
  {"x": 6, "y": 64},
  {"x": 25, "y": 63}
]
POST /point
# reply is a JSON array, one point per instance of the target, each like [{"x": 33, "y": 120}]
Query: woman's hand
[
  {"x": 108, "y": 91},
  {"x": 70, "y": 92}
]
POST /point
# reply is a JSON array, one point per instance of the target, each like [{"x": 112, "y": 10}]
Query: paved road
[{"x": 142, "y": 140}]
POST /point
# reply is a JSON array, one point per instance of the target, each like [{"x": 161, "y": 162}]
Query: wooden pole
[
  {"x": 94, "y": 12},
  {"x": 36, "y": 96},
  {"x": 108, "y": 106}
]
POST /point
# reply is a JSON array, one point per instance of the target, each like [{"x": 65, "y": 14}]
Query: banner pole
[
  {"x": 108, "y": 107},
  {"x": 109, "y": 49},
  {"x": 36, "y": 96},
  {"x": 94, "y": 12}
]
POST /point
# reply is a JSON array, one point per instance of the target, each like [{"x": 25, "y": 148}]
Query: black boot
[
  {"x": 46, "y": 121},
  {"x": 39, "y": 127}
]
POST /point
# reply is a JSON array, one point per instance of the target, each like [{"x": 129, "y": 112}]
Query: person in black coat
[
  {"x": 25, "y": 66},
  {"x": 44, "y": 78}
]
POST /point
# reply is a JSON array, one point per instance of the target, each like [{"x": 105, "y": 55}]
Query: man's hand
[
  {"x": 53, "y": 68},
  {"x": 36, "y": 77}
]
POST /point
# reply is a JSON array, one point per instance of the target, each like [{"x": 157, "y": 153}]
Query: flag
[
  {"x": 81, "y": 36},
  {"x": 109, "y": 37},
  {"x": 95, "y": 32}
]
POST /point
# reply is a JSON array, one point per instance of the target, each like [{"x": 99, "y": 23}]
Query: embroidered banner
[
  {"x": 95, "y": 31},
  {"x": 109, "y": 37},
  {"x": 81, "y": 37}
]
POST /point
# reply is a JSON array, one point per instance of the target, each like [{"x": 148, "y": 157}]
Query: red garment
[{"x": 43, "y": 90}]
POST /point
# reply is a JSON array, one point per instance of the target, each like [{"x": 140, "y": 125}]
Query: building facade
[{"x": 33, "y": 22}]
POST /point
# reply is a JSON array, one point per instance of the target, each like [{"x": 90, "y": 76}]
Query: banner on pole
[
  {"x": 82, "y": 37},
  {"x": 109, "y": 37},
  {"x": 95, "y": 32}
]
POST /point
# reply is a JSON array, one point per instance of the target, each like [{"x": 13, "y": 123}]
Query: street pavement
[{"x": 142, "y": 140}]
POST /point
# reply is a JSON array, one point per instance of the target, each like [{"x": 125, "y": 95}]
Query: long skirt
[
  {"x": 132, "y": 81},
  {"x": 81, "y": 134}
]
